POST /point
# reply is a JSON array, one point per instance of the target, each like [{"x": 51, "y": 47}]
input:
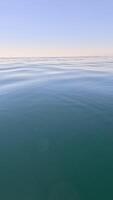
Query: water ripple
[{"x": 86, "y": 74}]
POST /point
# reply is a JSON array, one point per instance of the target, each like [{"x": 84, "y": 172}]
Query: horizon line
[{"x": 55, "y": 56}]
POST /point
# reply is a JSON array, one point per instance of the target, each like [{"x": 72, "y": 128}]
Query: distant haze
[{"x": 30, "y": 52}]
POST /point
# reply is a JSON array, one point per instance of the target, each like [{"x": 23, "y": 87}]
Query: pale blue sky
[{"x": 40, "y": 27}]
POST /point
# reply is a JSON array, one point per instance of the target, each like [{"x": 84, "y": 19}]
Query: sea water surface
[{"x": 56, "y": 128}]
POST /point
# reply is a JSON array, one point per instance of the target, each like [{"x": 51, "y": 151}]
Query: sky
[{"x": 56, "y": 27}]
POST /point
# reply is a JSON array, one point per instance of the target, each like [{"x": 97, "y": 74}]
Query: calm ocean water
[{"x": 56, "y": 128}]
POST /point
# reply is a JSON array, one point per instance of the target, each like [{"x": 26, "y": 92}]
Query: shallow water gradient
[{"x": 56, "y": 128}]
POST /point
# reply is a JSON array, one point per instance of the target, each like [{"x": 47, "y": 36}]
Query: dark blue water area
[{"x": 56, "y": 128}]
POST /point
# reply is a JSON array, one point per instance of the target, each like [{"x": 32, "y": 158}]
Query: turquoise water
[{"x": 56, "y": 128}]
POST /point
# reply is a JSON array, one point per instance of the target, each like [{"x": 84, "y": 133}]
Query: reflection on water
[{"x": 56, "y": 128}]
